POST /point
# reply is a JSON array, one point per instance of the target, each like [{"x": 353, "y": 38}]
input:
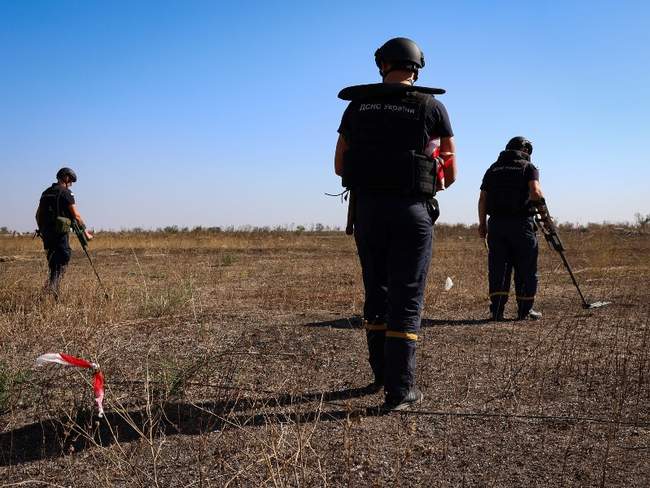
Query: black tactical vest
[
  {"x": 51, "y": 206},
  {"x": 507, "y": 186},
  {"x": 386, "y": 139}
]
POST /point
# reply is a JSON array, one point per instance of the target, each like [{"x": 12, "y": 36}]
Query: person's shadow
[
  {"x": 56, "y": 437},
  {"x": 355, "y": 322},
  {"x": 454, "y": 322}
]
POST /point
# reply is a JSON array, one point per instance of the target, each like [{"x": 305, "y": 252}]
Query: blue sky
[{"x": 211, "y": 113}]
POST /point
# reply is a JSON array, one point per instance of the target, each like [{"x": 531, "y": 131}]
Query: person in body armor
[
  {"x": 509, "y": 192},
  {"x": 381, "y": 155},
  {"x": 56, "y": 210}
]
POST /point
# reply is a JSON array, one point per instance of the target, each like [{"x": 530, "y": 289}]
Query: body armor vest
[
  {"x": 51, "y": 208},
  {"x": 386, "y": 139},
  {"x": 507, "y": 186}
]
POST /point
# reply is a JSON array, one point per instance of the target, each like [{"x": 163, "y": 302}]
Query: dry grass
[{"x": 235, "y": 359}]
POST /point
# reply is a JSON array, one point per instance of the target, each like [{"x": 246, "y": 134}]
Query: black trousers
[
  {"x": 512, "y": 244},
  {"x": 57, "y": 249},
  {"x": 394, "y": 236}
]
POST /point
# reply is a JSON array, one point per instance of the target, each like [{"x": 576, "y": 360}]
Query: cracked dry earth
[{"x": 237, "y": 359}]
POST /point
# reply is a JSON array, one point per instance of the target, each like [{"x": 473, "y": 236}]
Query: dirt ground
[{"x": 237, "y": 359}]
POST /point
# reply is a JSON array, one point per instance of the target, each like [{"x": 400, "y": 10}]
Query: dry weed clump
[{"x": 237, "y": 359}]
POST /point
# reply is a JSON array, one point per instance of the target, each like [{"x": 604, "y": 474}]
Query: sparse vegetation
[
  {"x": 235, "y": 358},
  {"x": 11, "y": 383},
  {"x": 642, "y": 221}
]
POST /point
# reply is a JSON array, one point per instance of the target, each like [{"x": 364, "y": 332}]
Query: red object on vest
[{"x": 432, "y": 150}]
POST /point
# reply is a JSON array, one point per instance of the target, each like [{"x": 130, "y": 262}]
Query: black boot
[
  {"x": 375, "y": 335},
  {"x": 413, "y": 397},
  {"x": 400, "y": 368}
]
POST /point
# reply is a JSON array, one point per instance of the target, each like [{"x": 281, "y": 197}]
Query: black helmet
[
  {"x": 63, "y": 172},
  {"x": 400, "y": 53},
  {"x": 520, "y": 144}
]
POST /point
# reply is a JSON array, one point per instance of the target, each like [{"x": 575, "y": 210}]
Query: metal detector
[
  {"x": 547, "y": 226},
  {"x": 84, "y": 245}
]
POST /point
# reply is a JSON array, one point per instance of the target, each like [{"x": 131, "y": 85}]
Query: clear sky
[{"x": 225, "y": 113}]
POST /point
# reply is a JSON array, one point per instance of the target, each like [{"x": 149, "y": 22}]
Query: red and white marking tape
[{"x": 67, "y": 360}]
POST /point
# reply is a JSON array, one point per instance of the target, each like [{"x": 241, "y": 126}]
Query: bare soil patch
[{"x": 237, "y": 359}]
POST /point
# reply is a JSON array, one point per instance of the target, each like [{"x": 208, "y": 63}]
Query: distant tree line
[
  {"x": 175, "y": 229},
  {"x": 641, "y": 224}
]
